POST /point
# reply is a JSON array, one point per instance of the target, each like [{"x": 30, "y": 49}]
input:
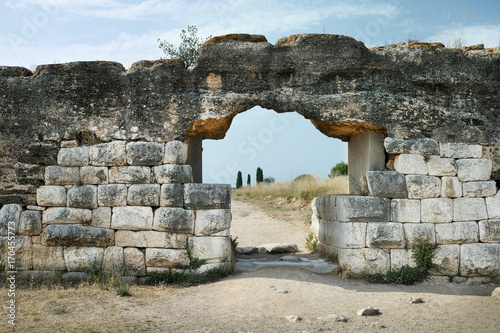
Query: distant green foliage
[
  {"x": 249, "y": 181},
  {"x": 340, "y": 169},
  {"x": 259, "y": 176},
  {"x": 304, "y": 177},
  {"x": 239, "y": 180},
  {"x": 269, "y": 180}
]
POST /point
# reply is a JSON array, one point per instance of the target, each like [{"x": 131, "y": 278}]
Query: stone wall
[
  {"x": 123, "y": 208},
  {"x": 435, "y": 192}
]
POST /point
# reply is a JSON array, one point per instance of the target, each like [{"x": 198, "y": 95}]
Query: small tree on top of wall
[
  {"x": 260, "y": 176},
  {"x": 239, "y": 180}
]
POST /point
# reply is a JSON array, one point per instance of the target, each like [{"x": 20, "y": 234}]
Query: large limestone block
[
  {"x": 76, "y": 235},
  {"x": 63, "y": 215},
  {"x": 424, "y": 146},
  {"x": 349, "y": 235},
  {"x": 423, "y": 187},
  {"x": 176, "y": 152},
  {"x": 172, "y": 195},
  {"x": 108, "y": 154},
  {"x": 212, "y": 222},
  {"x": 480, "y": 259},
  {"x": 460, "y": 150},
  {"x": 417, "y": 233},
  {"x": 326, "y": 232},
  {"x": 166, "y": 257},
  {"x": 144, "y": 195},
  {"x": 411, "y": 164},
  {"x": 130, "y": 175},
  {"x": 101, "y": 217},
  {"x": 174, "y": 219},
  {"x": 83, "y": 259},
  {"x": 469, "y": 209},
  {"x": 51, "y": 196},
  {"x": 474, "y": 169},
  {"x": 211, "y": 249},
  {"x": 30, "y": 223},
  {"x": 314, "y": 225},
  {"x": 437, "y": 210},
  {"x": 112, "y": 195},
  {"x": 385, "y": 235},
  {"x": 451, "y": 187},
  {"x": 173, "y": 173},
  {"x": 324, "y": 204},
  {"x": 457, "y": 233},
  {"x": 132, "y": 218},
  {"x": 144, "y": 153},
  {"x": 84, "y": 196},
  {"x": 94, "y": 175},
  {"x": 405, "y": 210},
  {"x": 58, "y": 175},
  {"x": 78, "y": 156},
  {"x": 493, "y": 206},
  {"x": 127, "y": 238},
  {"x": 49, "y": 258},
  {"x": 113, "y": 262},
  {"x": 479, "y": 189},
  {"x": 23, "y": 253},
  {"x": 386, "y": 184},
  {"x": 439, "y": 166},
  {"x": 362, "y": 209},
  {"x": 134, "y": 262},
  {"x": 207, "y": 196},
  {"x": 489, "y": 231},
  {"x": 446, "y": 259},
  {"x": 400, "y": 258},
  {"x": 365, "y": 260},
  {"x": 10, "y": 216}
]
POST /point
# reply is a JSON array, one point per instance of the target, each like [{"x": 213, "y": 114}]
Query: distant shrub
[
  {"x": 340, "y": 169},
  {"x": 269, "y": 180},
  {"x": 304, "y": 177}
]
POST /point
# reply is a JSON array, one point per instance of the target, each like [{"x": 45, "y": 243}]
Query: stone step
[{"x": 319, "y": 266}]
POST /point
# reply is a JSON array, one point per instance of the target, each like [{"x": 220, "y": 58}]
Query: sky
[{"x": 34, "y": 32}]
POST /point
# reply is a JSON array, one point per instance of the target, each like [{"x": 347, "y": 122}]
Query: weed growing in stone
[{"x": 311, "y": 242}]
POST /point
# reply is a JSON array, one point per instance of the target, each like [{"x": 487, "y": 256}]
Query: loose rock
[
  {"x": 369, "y": 311},
  {"x": 334, "y": 318},
  {"x": 415, "y": 300},
  {"x": 293, "y": 318}
]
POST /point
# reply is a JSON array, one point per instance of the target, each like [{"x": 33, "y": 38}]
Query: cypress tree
[
  {"x": 239, "y": 180},
  {"x": 248, "y": 180},
  {"x": 260, "y": 176}
]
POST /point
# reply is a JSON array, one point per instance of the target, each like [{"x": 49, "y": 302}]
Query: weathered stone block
[
  {"x": 84, "y": 196},
  {"x": 83, "y": 259},
  {"x": 174, "y": 219},
  {"x": 144, "y": 195},
  {"x": 325, "y": 207},
  {"x": 480, "y": 259},
  {"x": 326, "y": 232},
  {"x": 173, "y": 173},
  {"x": 479, "y": 189},
  {"x": 73, "y": 156},
  {"x": 50, "y": 258},
  {"x": 451, "y": 187},
  {"x": 207, "y": 196},
  {"x": 51, "y": 196},
  {"x": 58, "y": 175},
  {"x": 469, "y": 209},
  {"x": 362, "y": 209},
  {"x": 108, "y": 154},
  {"x": 165, "y": 257},
  {"x": 437, "y": 210},
  {"x": 132, "y": 218},
  {"x": 411, "y": 164},
  {"x": 212, "y": 222},
  {"x": 385, "y": 235},
  {"x": 101, "y": 217},
  {"x": 493, "y": 205},
  {"x": 76, "y": 235},
  {"x": 446, "y": 259},
  {"x": 30, "y": 223},
  {"x": 400, "y": 258},
  {"x": 366, "y": 260},
  {"x": 474, "y": 169},
  {"x": 405, "y": 210},
  {"x": 386, "y": 184},
  {"x": 172, "y": 195},
  {"x": 127, "y": 238},
  {"x": 23, "y": 254},
  {"x": 489, "y": 231},
  {"x": 460, "y": 150},
  {"x": 457, "y": 233},
  {"x": 314, "y": 225},
  {"x": 113, "y": 263},
  {"x": 350, "y": 235},
  {"x": 130, "y": 175},
  {"x": 94, "y": 175},
  {"x": 417, "y": 233},
  {"x": 9, "y": 218},
  {"x": 176, "y": 152},
  {"x": 422, "y": 146},
  {"x": 211, "y": 249},
  {"x": 134, "y": 262},
  {"x": 144, "y": 153},
  {"x": 63, "y": 215},
  {"x": 112, "y": 195},
  {"x": 439, "y": 166},
  {"x": 423, "y": 187}
]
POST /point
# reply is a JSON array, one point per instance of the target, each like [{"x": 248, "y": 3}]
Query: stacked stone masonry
[
  {"x": 436, "y": 192},
  {"x": 122, "y": 208}
]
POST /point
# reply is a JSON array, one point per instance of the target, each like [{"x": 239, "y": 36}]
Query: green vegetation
[
  {"x": 239, "y": 180},
  {"x": 60, "y": 311},
  {"x": 311, "y": 242},
  {"x": 269, "y": 180},
  {"x": 259, "y": 176},
  {"x": 304, "y": 177},
  {"x": 249, "y": 182},
  {"x": 340, "y": 169},
  {"x": 107, "y": 282}
]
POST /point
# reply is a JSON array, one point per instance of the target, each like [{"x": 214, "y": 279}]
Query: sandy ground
[{"x": 250, "y": 302}]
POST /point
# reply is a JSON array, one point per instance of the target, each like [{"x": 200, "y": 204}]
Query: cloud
[
  {"x": 14, "y": 6},
  {"x": 488, "y": 34}
]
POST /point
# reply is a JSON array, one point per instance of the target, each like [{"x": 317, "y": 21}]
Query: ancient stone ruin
[{"x": 100, "y": 167}]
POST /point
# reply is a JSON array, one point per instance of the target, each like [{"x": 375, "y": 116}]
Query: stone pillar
[
  {"x": 195, "y": 160},
  {"x": 365, "y": 153}
]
